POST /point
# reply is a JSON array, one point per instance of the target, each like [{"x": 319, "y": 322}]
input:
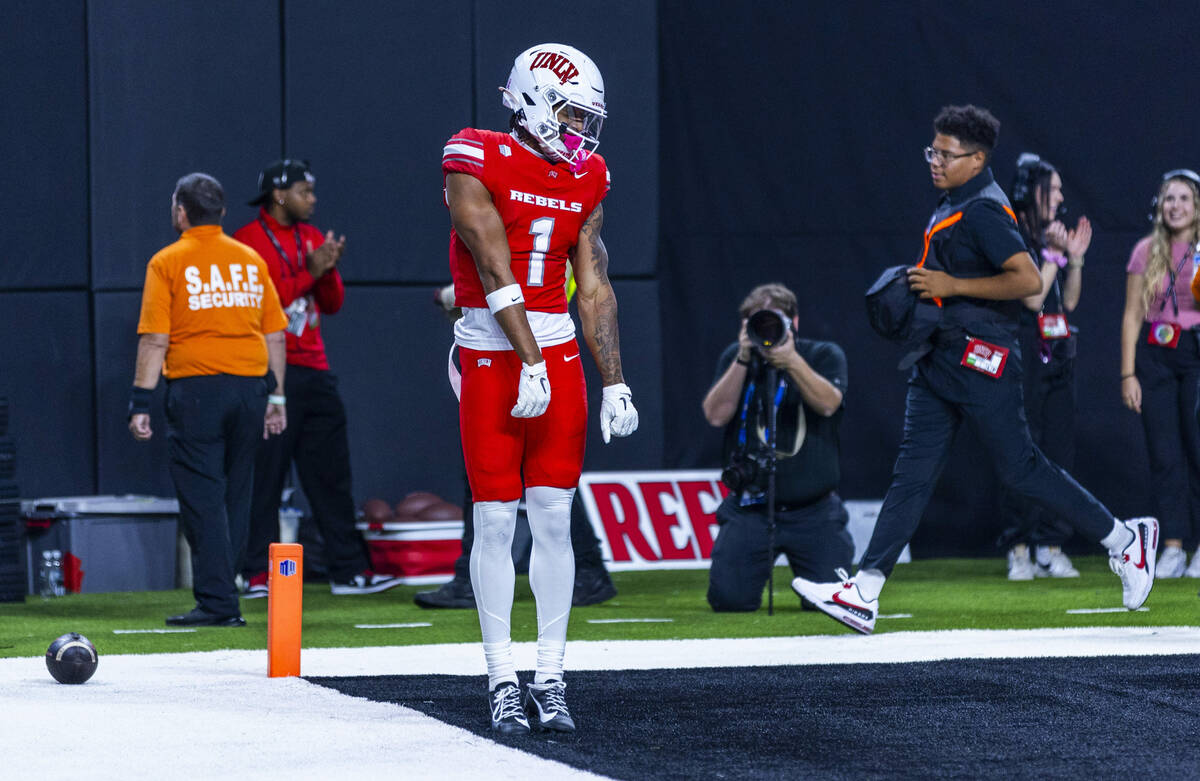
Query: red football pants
[{"x": 499, "y": 449}]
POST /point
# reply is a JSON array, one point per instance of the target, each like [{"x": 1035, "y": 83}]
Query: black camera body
[{"x": 748, "y": 469}]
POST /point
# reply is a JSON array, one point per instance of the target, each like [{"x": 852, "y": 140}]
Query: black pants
[
  {"x": 1049, "y": 390},
  {"x": 942, "y": 395},
  {"x": 316, "y": 440},
  {"x": 214, "y": 424},
  {"x": 1169, "y": 394},
  {"x": 814, "y": 539}
]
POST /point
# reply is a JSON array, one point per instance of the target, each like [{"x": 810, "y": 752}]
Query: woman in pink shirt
[{"x": 1160, "y": 363}]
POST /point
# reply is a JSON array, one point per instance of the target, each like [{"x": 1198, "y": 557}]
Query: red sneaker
[{"x": 256, "y": 586}]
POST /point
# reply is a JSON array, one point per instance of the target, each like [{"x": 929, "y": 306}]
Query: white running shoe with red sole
[
  {"x": 1135, "y": 563},
  {"x": 840, "y": 600}
]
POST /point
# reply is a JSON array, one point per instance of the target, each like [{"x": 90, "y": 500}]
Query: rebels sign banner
[{"x": 648, "y": 520}]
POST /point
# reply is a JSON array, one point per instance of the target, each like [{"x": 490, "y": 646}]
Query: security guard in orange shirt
[{"x": 212, "y": 325}]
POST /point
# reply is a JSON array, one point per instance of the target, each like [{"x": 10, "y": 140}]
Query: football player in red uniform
[{"x": 523, "y": 204}]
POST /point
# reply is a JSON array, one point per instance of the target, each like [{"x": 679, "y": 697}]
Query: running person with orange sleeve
[
  {"x": 979, "y": 269},
  {"x": 522, "y": 204},
  {"x": 212, "y": 325}
]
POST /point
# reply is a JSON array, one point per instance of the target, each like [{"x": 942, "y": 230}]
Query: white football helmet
[{"x": 557, "y": 94}]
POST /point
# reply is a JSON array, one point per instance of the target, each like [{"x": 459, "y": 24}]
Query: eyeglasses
[{"x": 944, "y": 157}]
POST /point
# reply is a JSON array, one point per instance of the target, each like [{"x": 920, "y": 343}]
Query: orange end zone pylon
[{"x": 285, "y": 596}]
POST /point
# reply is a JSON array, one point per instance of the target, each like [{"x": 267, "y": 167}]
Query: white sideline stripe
[
  {"x": 894, "y": 615},
  {"x": 151, "y": 631},
  {"x": 1088, "y": 610},
  {"x": 135, "y": 705},
  {"x": 630, "y": 620},
  {"x": 392, "y": 626}
]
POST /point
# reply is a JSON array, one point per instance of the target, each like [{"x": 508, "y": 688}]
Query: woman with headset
[
  {"x": 1160, "y": 362},
  {"x": 1048, "y": 346}
]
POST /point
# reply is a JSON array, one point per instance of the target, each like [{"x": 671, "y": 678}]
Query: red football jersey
[{"x": 543, "y": 206}]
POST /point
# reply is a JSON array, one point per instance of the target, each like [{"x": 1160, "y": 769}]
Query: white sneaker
[
  {"x": 840, "y": 600},
  {"x": 1135, "y": 563},
  {"x": 1172, "y": 563},
  {"x": 1193, "y": 570},
  {"x": 1054, "y": 564},
  {"x": 1019, "y": 565}
]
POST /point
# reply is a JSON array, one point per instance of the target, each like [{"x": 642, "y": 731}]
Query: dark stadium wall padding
[
  {"x": 373, "y": 91},
  {"x": 781, "y": 165},
  {"x": 198, "y": 91},
  {"x": 641, "y": 352},
  {"x": 783, "y": 143},
  {"x": 621, "y": 37},
  {"x": 46, "y": 371},
  {"x": 388, "y": 348},
  {"x": 123, "y": 464},
  {"x": 44, "y": 198}
]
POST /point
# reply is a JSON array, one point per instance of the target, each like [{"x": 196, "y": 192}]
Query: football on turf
[{"x": 71, "y": 658}]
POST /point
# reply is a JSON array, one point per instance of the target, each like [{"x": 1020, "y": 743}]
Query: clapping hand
[
  {"x": 326, "y": 256},
  {"x": 1078, "y": 240},
  {"x": 1056, "y": 235}
]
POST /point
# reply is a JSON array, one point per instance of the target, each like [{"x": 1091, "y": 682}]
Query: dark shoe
[
  {"x": 592, "y": 586},
  {"x": 508, "y": 717},
  {"x": 546, "y": 708},
  {"x": 198, "y": 617},
  {"x": 364, "y": 583},
  {"x": 457, "y": 594}
]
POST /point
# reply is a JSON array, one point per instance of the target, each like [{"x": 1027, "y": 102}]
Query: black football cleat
[
  {"x": 592, "y": 586},
  {"x": 456, "y": 594},
  {"x": 547, "y": 708},
  {"x": 198, "y": 617},
  {"x": 507, "y": 716}
]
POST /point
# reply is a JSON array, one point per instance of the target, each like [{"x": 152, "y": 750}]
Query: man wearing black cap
[{"x": 303, "y": 266}]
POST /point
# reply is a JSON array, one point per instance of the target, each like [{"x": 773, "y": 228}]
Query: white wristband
[
  {"x": 504, "y": 297},
  {"x": 275, "y": 398}
]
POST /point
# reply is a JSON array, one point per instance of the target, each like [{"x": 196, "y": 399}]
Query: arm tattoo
[{"x": 604, "y": 337}]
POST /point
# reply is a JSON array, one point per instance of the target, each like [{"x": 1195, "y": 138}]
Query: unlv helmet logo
[{"x": 558, "y": 64}]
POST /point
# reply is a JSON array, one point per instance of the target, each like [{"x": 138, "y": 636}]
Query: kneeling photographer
[{"x": 774, "y": 386}]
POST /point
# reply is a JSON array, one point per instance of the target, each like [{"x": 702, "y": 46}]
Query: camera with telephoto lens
[
  {"x": 767, "y": 328},
  {"x": 748, "y": 469}
]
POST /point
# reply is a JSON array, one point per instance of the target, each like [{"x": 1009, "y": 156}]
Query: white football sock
[
  {"x": 493, "y": 579},
  {"x": 1118, "y": 538},
  {"x": 870, "y": 583},
  {"x": 551, "y": 574}
]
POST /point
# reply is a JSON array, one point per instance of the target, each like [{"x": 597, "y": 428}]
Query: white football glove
[
  {"x": 533, "y": 392},
  {"x": 617, "y": 414}
]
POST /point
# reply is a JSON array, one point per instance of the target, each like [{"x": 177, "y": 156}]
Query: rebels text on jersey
[{"x": 543, "y": 207}]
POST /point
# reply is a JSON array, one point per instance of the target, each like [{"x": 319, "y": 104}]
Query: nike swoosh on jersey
[{"x": 570, "y": 358}]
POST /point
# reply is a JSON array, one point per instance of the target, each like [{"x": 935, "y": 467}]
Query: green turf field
[{"x": 938, "y": 594}]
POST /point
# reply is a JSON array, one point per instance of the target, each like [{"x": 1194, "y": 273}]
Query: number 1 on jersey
[{"x": 541, "y": 229}]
